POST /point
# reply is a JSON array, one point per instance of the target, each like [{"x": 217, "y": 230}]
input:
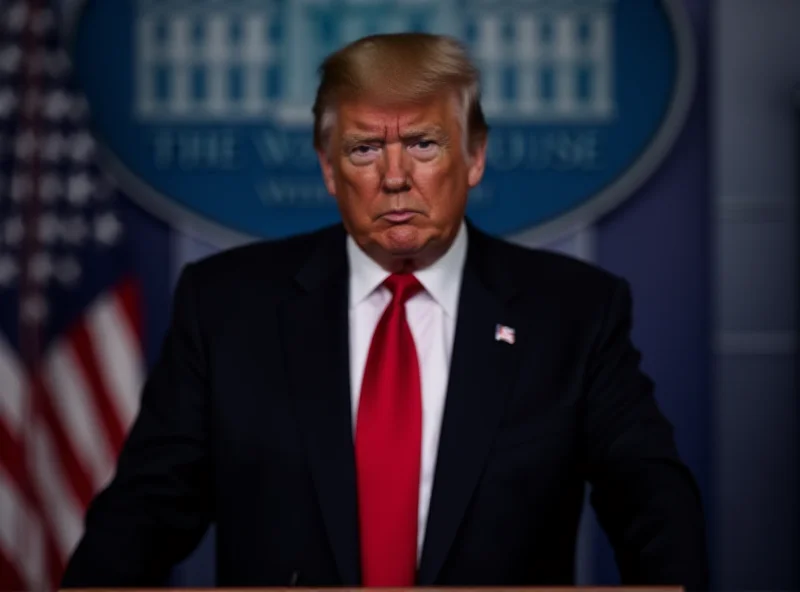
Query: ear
[
  {"x": 328, "y": 172},
  {"x": 477, "y": 161}
]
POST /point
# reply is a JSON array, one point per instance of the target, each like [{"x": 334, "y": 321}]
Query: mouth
[{"x": 399, "y": 216}]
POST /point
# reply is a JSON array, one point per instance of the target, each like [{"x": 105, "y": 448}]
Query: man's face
[{"x": 401, "y": 175}]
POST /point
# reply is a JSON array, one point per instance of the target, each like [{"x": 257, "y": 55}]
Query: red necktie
[{"x": 388, "y": 445}]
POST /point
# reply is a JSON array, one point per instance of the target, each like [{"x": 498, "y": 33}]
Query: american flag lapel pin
[{"x": 503, "y": 333}]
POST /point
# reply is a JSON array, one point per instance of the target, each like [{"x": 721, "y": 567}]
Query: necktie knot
[{"x": 402, "y": 286}]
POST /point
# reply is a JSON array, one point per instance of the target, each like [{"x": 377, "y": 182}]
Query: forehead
[{"x": 368, "y": 115}]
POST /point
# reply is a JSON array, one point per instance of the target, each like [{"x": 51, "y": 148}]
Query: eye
[
  {"x": 424, "y": 149},
  {"x": 363, "y": 153},
  {"x": 425, "y": 144}
]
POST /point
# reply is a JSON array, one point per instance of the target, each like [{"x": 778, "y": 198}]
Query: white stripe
[
  {"x": 12, "y": 386},
  {"x": 63, "y": 510},
  {"x": 119, "y": 356},
  {"x": 16, "y": 518},
  {"x": 77, "y": 413}
]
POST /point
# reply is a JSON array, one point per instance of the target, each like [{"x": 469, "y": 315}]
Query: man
[{"x": 399, "y": 400}]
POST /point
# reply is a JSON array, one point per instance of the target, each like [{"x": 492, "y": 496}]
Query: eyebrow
[
  {"x": 433, "y": 131},
  {"x": 352, "y": 139}
]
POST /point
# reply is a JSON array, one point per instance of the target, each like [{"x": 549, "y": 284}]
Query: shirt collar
[{"x": 442, "y": 279}]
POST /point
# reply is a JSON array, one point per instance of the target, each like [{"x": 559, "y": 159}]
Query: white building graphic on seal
[{"x": 214, "y": 61}]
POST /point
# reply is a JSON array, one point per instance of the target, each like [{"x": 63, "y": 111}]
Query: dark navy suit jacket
[{"x": 246, "y": 422}]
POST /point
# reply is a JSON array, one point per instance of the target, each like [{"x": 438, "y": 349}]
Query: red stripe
[
  {"x": 54, "y": 564},
  {"x": 70, "y": 464},
  {"x": 9, "y": 576},
  {"x": 84, "y": 350},
  {"x": 129, "y": 296},
  {"x": 12, "y": 458}
]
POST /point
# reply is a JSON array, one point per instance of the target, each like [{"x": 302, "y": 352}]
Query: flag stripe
[
  {"x": 9, "y": 577},
  {"x": 11, "y": 389},
  {"x": 119, "y": 353},
  {"x": 79, "y": 483},
  {"x": 21, "y": 536},
  {"x": 9, "y": 510},
  {"x": 129, "y": 297},
  {"x": 86, "y": 355},
  {"x": 56, "y": 562},
  {"x": 11, "y": 455},
  {"x": 61, "y": 508},
  {"x": 72, "y": 400},
  {"x": 35, "y": 557}
]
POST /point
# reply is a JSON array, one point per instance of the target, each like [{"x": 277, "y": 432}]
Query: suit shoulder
[
  {"x": 563, "y": 287},
  {"x": 277, "y": 259},
  {"x": 540, "y": 266}
]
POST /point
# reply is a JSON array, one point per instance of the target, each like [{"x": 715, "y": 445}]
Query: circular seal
[{"x": 203, "y": 107}]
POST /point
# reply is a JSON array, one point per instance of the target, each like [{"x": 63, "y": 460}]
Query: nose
[{"x": 395, "y": 173}]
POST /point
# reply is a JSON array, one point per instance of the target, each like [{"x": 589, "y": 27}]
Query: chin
[{"x": 403, "y": 239}]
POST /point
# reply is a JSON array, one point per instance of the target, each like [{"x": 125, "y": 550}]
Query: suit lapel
[
  {"x": 315, "y": 334},
  {"x": 482, "y": 374}
]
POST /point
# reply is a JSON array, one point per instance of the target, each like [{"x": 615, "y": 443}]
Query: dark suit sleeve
[
  {"x": 159, "y": 503},
  {"x": 645, "y": 498}
]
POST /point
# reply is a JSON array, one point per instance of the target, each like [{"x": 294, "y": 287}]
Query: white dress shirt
[{"x": 431, "y": 317}]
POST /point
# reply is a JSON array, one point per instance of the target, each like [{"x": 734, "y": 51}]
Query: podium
[{"x": 426, "y": 589}]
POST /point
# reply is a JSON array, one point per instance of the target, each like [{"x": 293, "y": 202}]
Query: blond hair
[{"x": 399, "y": 68}]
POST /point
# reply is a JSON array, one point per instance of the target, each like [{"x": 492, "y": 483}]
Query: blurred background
[{"x": 659, "y": 139}]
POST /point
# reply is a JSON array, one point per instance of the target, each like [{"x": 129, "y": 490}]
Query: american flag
[
  {"x": 503, "y": 333},
  {"x": 71, "y": 361}
]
